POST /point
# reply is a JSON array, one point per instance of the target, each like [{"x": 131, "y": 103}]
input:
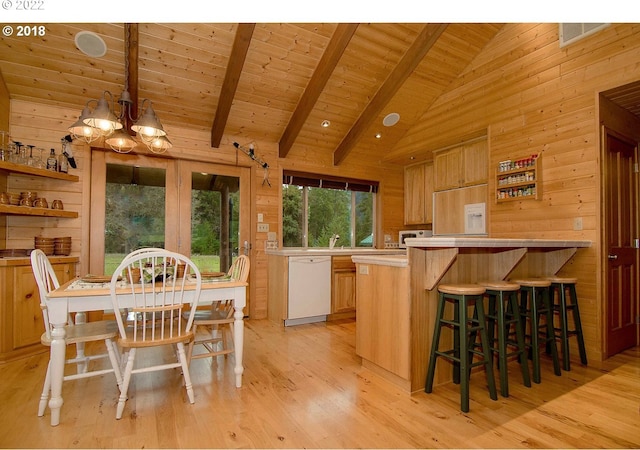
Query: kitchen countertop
[
  {"x": 448, "y": 241},
  {"x": 382, "y": 260},
  {"x": 338, "y": 251},
  {"x": 401, "y": 260},
  {"x": 26, "y": 261}
]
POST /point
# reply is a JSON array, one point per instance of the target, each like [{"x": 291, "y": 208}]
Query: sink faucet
[{"x": 332, "y": 241}]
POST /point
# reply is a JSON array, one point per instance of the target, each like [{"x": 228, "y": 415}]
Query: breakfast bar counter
[{"x": 396, "y": 302}]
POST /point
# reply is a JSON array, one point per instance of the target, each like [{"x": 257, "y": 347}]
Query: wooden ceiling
[{"x": 268, "y": 81}]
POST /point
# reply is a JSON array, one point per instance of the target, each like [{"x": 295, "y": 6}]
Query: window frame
[{"x": 308, "y": 180}]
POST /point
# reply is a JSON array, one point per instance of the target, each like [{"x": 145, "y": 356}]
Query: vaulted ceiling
[{"x": 269, "y": 81}]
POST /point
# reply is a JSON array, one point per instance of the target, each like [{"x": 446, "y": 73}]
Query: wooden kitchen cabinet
[
  {"x": 21, "y": 323},
  {"x": 464, "y": 165},
  {"x": 384, "y": 332},
  {"x": 343, "y": 285},
  {"x": 418, "y": 194}
]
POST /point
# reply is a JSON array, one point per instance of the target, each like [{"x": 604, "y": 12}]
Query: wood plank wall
[
  {"x": 534, "y": 97},
  {"x": 4, "y": 125},
  {"x": 44, "y": 125}
]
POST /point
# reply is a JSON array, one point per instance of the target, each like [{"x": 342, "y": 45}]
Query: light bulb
[
  {"x": 104, "y": 125},
  {"x": 148, "y": 131}
]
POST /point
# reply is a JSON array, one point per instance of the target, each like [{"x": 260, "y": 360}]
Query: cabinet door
[
  {"x": 447, "y": 169},
  {"x": 428, "y": 193},
  {"x": 344, "y": 291},
  {"x": 476, "y": 163},
  {"x": 418, "y": 194},
  {"x": 27, "y": 322},
  {"x": 343, "y": 295},
  {"x": 414, "y": 178}
]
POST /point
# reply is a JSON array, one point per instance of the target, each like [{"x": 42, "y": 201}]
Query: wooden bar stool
[
  {"x": 565, "y": 301},
  {"x": 502, "y": 312},
  {"x": 534, "y": 304},
  {"x": 462, "y": 296}
]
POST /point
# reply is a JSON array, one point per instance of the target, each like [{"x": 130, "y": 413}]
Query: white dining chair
[
  {"x": 219, "y": 319},
  {"x": 104, "y": 330},
  {"x": 155, "y": 308}
]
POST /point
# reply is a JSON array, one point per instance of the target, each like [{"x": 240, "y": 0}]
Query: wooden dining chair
[
  {"x": 155, "y": 309},
  {"x": 104, "y": 330},
  {"x": 219, "y": 318}
]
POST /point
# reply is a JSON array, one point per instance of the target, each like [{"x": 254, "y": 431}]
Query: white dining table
[{"x": 79, "y": 297}]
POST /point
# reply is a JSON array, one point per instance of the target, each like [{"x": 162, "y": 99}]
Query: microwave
[{"x": 412, "y": 234}]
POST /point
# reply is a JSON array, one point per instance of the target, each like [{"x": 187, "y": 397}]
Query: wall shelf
[
  {"x": 519, "y": 179},
  {"x": 33, "y": 211},
  {"x": 7, "y": 168},
  {"x": 26, "y": 170}
]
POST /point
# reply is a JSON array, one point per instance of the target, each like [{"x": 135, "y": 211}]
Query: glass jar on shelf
[
  {"x": 39, "y": 162},
  {"x": 30, "y": 158},
  {"x": 22, "y": 153}
]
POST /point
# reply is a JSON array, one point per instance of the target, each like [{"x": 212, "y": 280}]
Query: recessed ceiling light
[
  {"x": 90, "y": 44},
  {"x": 378, "y": 135},
  {"x": 325, "y": 124},
  {"x": 391, "y": 119}
]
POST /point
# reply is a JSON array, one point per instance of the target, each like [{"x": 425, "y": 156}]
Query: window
[{"x": 315, "y": 207}]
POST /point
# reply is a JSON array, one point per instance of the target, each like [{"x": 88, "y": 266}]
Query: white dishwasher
[{"x": 309, "y": 289}]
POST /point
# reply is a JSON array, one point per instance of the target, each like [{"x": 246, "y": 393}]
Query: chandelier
[{"x": 99, "y": 120}]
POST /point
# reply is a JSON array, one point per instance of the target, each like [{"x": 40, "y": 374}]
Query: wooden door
[{"x": 621, "y": 244}]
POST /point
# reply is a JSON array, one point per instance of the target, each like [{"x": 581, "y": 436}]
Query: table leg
[
  {"x": 57, "y": 349},
  {"x": 82, "y": 365},
  {"x": 238, "y": 343}
]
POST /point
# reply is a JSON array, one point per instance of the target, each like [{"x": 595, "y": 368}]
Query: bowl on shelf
[
  {"x": 14, "y": 199},
  {"x": 47, "y": 249},
  {"x": 61, "y": 250},
  {"x": 62, "y": 245},
  {"x": 46, "y": 244}
]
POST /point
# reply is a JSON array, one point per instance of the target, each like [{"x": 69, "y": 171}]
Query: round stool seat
[
  {"x": 533, "y": 282},
  {"x": 563, "y": 280},
  {"x": 507, "y": 286},
  {"x": 461, "y": 289}
]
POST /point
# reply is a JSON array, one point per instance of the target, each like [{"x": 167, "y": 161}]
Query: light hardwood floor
[{"x": 304, "y": 387}]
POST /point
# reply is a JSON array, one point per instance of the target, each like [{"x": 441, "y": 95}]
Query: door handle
[{"x": 612, "y": 257}]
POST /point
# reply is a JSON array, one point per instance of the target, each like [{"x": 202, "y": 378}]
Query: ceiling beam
[
  {"x": 414, "y": 55},
  {"x": 131, "y": 49},
  {"x": 231, "y": 78},
  {"x": 332, "y": 54}
]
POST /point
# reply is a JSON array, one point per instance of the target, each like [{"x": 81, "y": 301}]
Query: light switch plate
[{"x": 263, "y": 228}]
